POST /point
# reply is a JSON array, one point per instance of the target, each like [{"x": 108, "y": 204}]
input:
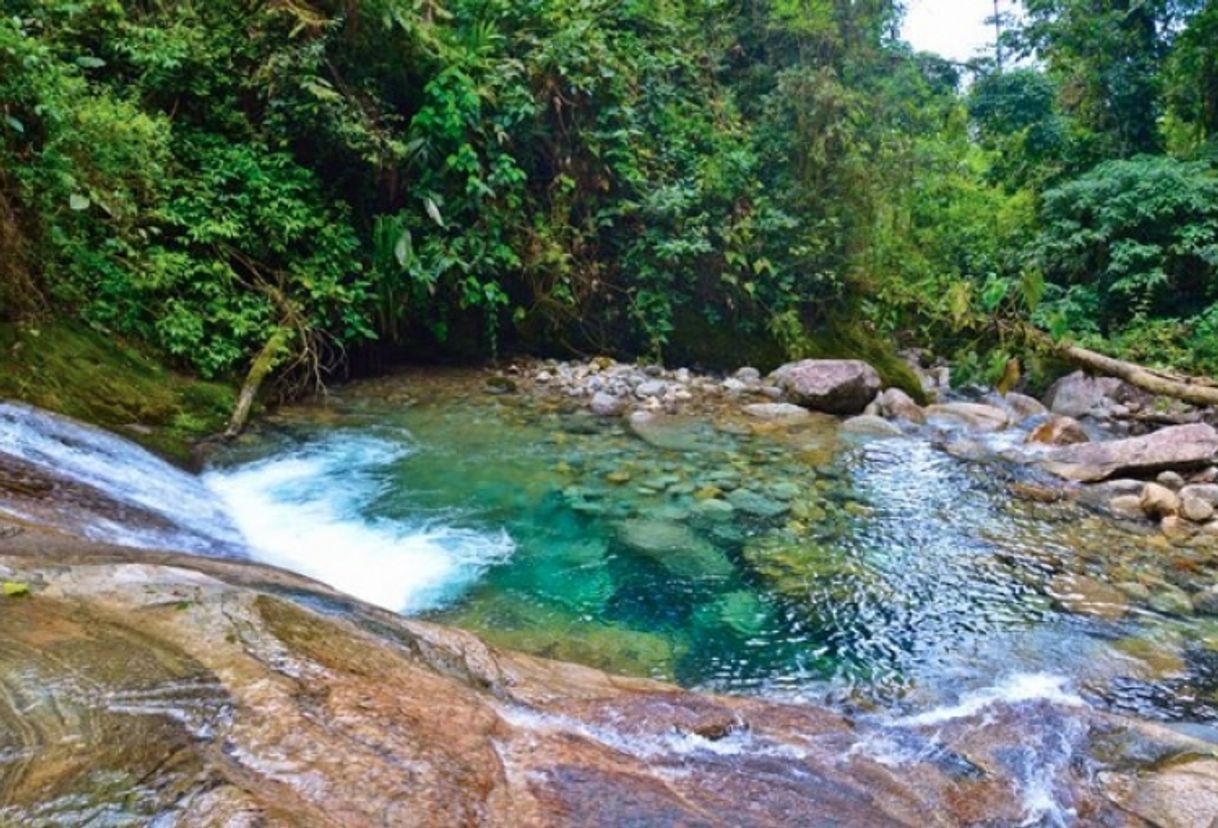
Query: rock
[
  {"x": 1176, "y": 528},
  {"x": 836, "y": 386},
  {"x": 500, "y": 385},
  {"x": 248, "y": 704},
  {"x": 759, "y": 505},
  {"x": 1023, "y": 406},
  {"x": 543, "y": 377},
  {"x": 734, "y": 386},
  {"x": 748, "y": 374},
  {"x": 607, "y": 405},
  {"x": 1078, "y": 395},
  {"x": 714, "y": 509},
  {"x": 1058, "y": 430},
  {"x": 869, "y": 425},
  {"x": 1083, "y": 595},
  {"x": 1037, "y": 492},
  {"x": 1178, "y": 447},
  {"x": 675, "y": 547},
  {"x": 651, "y": 388},
  {"x": 777, "y": 412},
  {"x": 1170, "y": 600},
  {"x": 1159, "y": 501},
  {"x": 1170, "y": 479},
  {"x": 1126, "y": 507},
  {"x": 1196, "y": 509},
  {"x": 973, "y": 416},
  {"x": 1182, "y": 794},
  {"x": 1206, "y": 601},
  {"x": 897, "y": 405},
  {"x": 670, "y": 432},
  {"x": 1202, "y": 491}
]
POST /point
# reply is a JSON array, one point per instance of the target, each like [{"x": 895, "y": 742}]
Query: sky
[{"x": 955, "y": 29}]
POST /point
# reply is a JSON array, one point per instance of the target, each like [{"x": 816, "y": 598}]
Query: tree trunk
[
  {"x": 1194, "y": 390},
  {"x": 261, "y": 366}
]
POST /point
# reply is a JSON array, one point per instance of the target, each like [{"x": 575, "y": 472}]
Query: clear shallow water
[{"x": 879, "y": 572}]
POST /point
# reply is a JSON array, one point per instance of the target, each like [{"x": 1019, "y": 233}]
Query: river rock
[
  {"x": 1079, "y": 395},
  {"x": 668, "y": 431},
  {"x": 651, "y": 388},
  {"x": 1171, "y": 479},
  {"x": 1159, "y": 501},
  {"x": 748, "y": 374},
  {"x": 606, "y": 405},
  {"x": 1023, "y": 406},
  {"x": 1180, "y": 447},
  {"x": 1058, "y": 430},
  {"x": 777, "y": 412},
  {"x": 869, "y": 425},
  {"x": 758, "y": 505},
  {"x": 1206, "y": 601},
  {"x": 897, "y": 405},
  {"x": 1202, "y": 491},
  {"x": 973, "y": 416},
  {"x": 1196, "y": 509},
  {"x": 836, "y": 386},
  {"x": 1126, "y": 507}
]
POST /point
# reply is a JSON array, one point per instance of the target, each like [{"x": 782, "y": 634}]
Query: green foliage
[{"x": 598, "y": 175}]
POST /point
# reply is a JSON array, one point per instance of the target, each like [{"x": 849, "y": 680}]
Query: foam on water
[
  {"x": 126, "y": 473},
  {"x": 306, "y": 510}
]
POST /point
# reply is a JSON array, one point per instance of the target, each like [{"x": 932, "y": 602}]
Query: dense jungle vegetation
[{"x": 304, "y": 180}]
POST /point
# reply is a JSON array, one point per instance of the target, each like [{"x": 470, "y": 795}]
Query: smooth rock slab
[{"x": 1176, "y": 447}]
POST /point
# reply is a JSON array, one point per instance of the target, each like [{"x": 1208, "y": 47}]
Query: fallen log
[{"x": 1194, "y": 390}]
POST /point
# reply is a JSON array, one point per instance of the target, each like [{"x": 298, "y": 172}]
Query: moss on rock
[{"x": 75, "y": 371}]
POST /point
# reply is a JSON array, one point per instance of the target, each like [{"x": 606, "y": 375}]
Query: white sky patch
[{"x": 955, "y": 29}]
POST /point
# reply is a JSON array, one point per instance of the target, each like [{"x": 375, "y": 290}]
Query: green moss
[{"x": 75, "y": 371}]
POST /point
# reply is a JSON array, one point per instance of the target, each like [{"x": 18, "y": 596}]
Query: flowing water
[{"x": 793, "y": 561}]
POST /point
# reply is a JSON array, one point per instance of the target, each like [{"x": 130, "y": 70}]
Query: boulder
[
  {"x": 1058, "y": 430},
  {"x": 1159, "y": 501},
  {"x": 973, "y": 416},
  {"x": 748, "y": 374},
  {"x": 1079, "y": 395},
  {"x": 836, "y": 386},
  {"x": 777, "y": 412},
  {"x": 1176, "y": 447},
  {"x": 895, "y": 404},
  {"x": 651, "y": 388}
]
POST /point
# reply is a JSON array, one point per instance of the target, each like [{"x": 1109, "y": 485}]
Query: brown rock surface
[
  {"x": 137, "y": 687},
  {"x": 1176, "y": 447},
  {"x": 836, "y": 386}
]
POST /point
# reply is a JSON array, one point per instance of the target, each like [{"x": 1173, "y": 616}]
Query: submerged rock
[
  {"x": 868, "y": 425},
  {"x": 675, "y": 547},
  {"x": 1176, "y": 447},
  {"x": 778, "y": 412},
  {"x": 1084, "y": 595},
  {"x": 836, "y": 386}
]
